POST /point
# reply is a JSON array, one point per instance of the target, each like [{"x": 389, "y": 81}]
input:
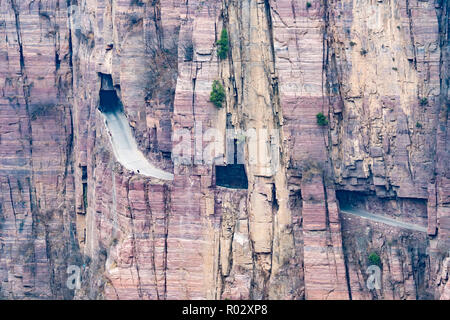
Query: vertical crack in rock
[
  {"x": 331, "y": 89},
  {"x": 167, "y": 208},
  {"x": 152, "y": 230},
  {"x": 134, "y": 247},
  {"x": 411, "y": 33}
]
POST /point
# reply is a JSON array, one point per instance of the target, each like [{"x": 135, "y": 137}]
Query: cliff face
[
  {"x": 38, "y": 238},
  {"x": 378, "y": 70}
]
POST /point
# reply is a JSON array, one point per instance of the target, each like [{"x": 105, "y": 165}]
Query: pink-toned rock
[{"x": 65, "y": 200}]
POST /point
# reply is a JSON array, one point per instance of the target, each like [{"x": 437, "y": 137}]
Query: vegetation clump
[
  {"x": 321, "y": 119},
  {"x": 308, "y": 5},
  {"x": 217, "y": 96},
  {"x": 423, "y": 101},
  {"x": 374, "y": 259},
  {"x": 222, "y": 45}
]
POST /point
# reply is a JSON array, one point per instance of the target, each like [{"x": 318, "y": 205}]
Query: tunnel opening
[
  {"x": 412, "y": 209},
  {"x": 231, "y": 176},
  {"x": 109, "y": 101},
  {"x": 350, "y": 199}
]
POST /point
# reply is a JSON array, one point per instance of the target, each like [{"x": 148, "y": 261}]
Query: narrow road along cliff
[{"x": 378, "y": 218}]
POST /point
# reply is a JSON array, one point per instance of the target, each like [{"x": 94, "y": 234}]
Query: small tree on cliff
[
  {"x": 217, "y": 95},
  {"x": 423, "y": 101},
  {"x": 222, "y": 44},
  {"x": 375, "y": 259},
  {"x": 321, "y": 119}
]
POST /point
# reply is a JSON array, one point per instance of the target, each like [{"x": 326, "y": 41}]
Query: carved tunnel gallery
[
  {"x": 109, "y": 101},
  {"x": 349, "y": 199},
  {"x": 231, "y": 176}
]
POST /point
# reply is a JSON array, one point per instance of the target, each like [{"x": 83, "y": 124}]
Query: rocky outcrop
[{"x": 66, "y": 200}]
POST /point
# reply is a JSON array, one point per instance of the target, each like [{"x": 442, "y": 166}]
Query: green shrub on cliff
[
  {"x": 217, "y": 95},
  {"x": 423, "y": 101},
  {"x": 222, "y": 44},
  {"x": 321, "y": 119},
  {"x": 374, "y": 259}
]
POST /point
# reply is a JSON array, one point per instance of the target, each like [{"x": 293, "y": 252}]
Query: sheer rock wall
[{"x": 376, "y": 69}]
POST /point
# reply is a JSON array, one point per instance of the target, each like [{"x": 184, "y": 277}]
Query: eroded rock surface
[{"x": 377, "y": 70}]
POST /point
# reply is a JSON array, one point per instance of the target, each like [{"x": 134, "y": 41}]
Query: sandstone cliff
[{"x": 378, "y": 71}]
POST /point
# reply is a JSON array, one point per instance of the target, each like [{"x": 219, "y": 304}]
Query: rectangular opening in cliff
[
  {"x": 231, "y": 176},
  {"x": 350, "y": 199},
  {"x": 109, "y": 101},
  {"x": 407, "y": 209}
]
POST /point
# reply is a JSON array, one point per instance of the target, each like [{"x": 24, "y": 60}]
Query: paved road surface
[
  {"x": 383, "y": 219},
  {"x": 126, "y": 150}
]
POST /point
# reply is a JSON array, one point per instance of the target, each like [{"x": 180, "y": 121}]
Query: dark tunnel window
[
  {"x": 109, "y": 102},
  {"x": 231, "y": 176},
  {"x": 348, "y": 199}
]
